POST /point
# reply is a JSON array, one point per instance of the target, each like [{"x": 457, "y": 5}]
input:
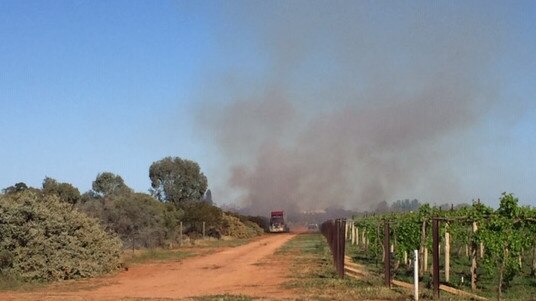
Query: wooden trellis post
[
  {"x": 435, "y": 256},
  {"x": 447, "y": 253},
  {"x": 473, "y": 260},
  {"x": 387, "y": 255}
]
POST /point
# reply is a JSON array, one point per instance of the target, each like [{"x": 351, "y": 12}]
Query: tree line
[{"x": 92, "y": 227}]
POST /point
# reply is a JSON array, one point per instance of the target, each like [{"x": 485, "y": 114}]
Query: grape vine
[{"x": 494, "y": 241}]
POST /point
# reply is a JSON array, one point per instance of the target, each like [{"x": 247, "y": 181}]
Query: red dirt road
[{"x": 247, "y": 270}]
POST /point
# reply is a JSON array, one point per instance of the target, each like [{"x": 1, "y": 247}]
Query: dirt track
[{"x": 248, "y": 270}]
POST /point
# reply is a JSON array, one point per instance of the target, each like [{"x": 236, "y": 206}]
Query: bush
[
  {"x": 137, "y": 218},
  {"x": 261, "y": 221},
  {"x": 195, "y": 213},
  {"x": 141, "y": 221},
  {"x": 232, "y": 226},
  {"x": 44, "y": 239}
]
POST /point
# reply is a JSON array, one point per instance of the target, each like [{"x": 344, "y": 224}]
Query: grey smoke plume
[{"x": 351, "y": 103}]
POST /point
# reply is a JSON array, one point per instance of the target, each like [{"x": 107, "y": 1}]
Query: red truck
[{"x": 277, "y": 222}]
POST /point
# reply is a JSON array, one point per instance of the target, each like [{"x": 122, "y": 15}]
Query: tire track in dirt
[{"x": 247, "y": 270}]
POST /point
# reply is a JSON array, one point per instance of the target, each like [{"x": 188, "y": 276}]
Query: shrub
[
  {"x": 195, "y": 213},
  {"x": 261, "y": 221},
  {"x": 43, "y": 239},
  {"x": 137, "y": 218},
  {"x": 232, "y": 226}
]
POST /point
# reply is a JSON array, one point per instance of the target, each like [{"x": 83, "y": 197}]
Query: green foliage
[
  {"x": 373, "y": 226},
  {"x": 504, "y": 240},
  {"x": 478, "y": 212},
  {"x": 233, "y": 226},
  {"x": 177, "y": 180},
  {"x": 171, "y": 220},
  {"x": 195, "y": 213},
  {"x": 108, "y": 183},
  {"x": 141, "y": 221},
  {"x": 65, "y": 191},
  {"x": 44, "y": 240},
  {"x": 406, "y": 232},
  {"x": 505, "y": 233},
  {"x": 18, "y": 187},
  {"x": 424, "y": 213},
  {"x": 460, "y": 231},
  {"x": 137, "y": 218}
]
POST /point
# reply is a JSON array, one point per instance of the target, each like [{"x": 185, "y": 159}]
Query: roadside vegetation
[
  {"x": 201, "y": 247},
  {"x": 44, "y": 239},
  {"x": 56, "y": 233},
  {"x": 313, "y": 275},
  {"x": 155, "y": 255}
]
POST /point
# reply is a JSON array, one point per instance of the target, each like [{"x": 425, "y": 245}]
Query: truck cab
[{"x": 277, "y": 222}]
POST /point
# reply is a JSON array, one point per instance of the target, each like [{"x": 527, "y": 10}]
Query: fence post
[
  {"x": 342, "y": 249},
  {"x": 416, "y": 274},
  {"x": 180, "y": 234},
  {"x": 352, "y": 232},
  {"x": 356, "y": 235},
  {"x": 424, "y": 251},
  {"x": 334, "y": 232},
  {"x": 339, "y": 246},
  {"x": 336, "y": 244},
  {"x": 435, "y": 258},
  {"x": 473, "y": 259},
  {"x": 203, "y": 229},
  {"x": 346, "y": 231},
  {"x": 387, "y": 255},
  {"x": 447, "y": 254}
]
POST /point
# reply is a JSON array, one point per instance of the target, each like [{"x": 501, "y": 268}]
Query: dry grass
[{"x": 314, "y": 277}]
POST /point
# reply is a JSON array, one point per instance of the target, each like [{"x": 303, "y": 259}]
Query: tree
[
  {"x": 21, "y": 186},
  {"x": 405, "y": 205},
  {"x": 382, "y": 207},
  {"x": 177, "y": 180},
  {"x": 65, "y": 191},
  {"x": 108, "y": 183}
]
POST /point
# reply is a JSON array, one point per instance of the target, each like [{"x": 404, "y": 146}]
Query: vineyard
[{"x": 479, "y": 250}]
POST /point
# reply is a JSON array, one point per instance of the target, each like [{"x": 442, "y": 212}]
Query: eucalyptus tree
[
  {"x": 178, "y": 181},
  {"x": 19, "y": 187},
  {"x": 65, "y": 191},
  {"x": 108, "y": 183}
]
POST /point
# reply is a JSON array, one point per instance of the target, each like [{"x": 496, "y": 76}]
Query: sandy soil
[{"x": 247, "y": 270}]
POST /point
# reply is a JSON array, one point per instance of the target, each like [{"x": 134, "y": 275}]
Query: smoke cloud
[{"x": 349, "y": 103}]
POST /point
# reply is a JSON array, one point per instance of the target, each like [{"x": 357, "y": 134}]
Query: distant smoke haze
[{"x": 350, "y": 105}]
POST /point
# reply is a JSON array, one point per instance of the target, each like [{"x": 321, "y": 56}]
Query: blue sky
[{"x": 93, "y": 86}]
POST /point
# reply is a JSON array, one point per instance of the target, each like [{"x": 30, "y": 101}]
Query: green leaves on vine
[{"x": 502, "y": 232}]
